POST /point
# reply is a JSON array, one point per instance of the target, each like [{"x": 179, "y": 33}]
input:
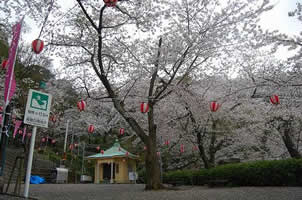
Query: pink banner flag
[
  {"x": 17, "y": 125},
  {"x": 24, "y": 134},
  {"x": 10, "y": 83}
]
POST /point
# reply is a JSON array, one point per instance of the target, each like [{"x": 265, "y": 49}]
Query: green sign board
[
  {"x": 42, "y": 85},
  {"x": 37, "y": 108},
  {"x": 39, "y": 101}
]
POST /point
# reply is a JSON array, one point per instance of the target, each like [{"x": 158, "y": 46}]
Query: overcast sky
[{"x": 278, "y": 18}]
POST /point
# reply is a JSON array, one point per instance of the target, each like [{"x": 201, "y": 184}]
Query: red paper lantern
[
  {"x": 37, "y": 46},
  {"x": 53, "y": 118},
  {"x": 214, "y": 106},
  {"x": 4, "y": 63},
  {"x": 98, "y": 148},
  {"x": 110, "y": 3},
  {"x": 90, "y": 129},
  {"x": 20, "y": 132},
  {"x": 81, "y": 105},
  {"x": 71, "y": 146},
  {"x": 167, "y": 142},
  {"x": 274, "y": 100},
  {"x": 144, "y": 107},
  {"x": 102, "y": 151},
  {"x": 53, "y": 141},
  {"x": 182, "y": 148},
  {"x": 127, "y": 153},
  {"x": 1, "y": 109},
  {"x": 43, "y": 139},
  {"x": 122, "y": 131}
]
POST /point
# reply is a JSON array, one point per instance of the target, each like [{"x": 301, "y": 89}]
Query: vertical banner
[
  {"x": 10, "y": 83},
  {"x": 17, "y": 125},
  {"x": 24, "y": 134}
]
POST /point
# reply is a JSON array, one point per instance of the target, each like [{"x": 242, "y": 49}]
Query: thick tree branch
[
  {"x": 154, "y": 75},
  {"x": 87, "y": 16}
]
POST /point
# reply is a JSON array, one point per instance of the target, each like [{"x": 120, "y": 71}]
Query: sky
[
  {"x": 278, "y": 19},
  {"x": 275, "y": 19}
]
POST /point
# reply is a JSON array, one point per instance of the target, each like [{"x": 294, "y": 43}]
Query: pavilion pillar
[
  {"x": 97, "y": 173},
  {"x": 111, "y": 177}
]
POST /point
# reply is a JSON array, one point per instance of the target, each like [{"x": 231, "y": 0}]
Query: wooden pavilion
[{"x": 115, "y": 165}]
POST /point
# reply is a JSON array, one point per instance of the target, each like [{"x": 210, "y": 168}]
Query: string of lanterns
[
  {"x": 110, "y": 3},
  {"x": 90, "y": 129},
  {"x": 4, "y": 63},
  {"x": 81, "y": 105},
  {"x": 37, "y": 46},
  {"x": 144, "y": 107},
  {"x": 274, "y": 100}
]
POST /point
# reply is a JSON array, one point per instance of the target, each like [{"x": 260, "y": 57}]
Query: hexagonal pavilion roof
[{"x": 115, "y": 151}]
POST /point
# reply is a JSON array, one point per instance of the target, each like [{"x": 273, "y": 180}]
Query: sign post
[{"x": 36, "y": 114}]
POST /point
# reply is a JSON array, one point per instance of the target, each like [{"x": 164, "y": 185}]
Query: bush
[
  {"x": 186, "y": 176},
  {"x": 258, "y": 173}
]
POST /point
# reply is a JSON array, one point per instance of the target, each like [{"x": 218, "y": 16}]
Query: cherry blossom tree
[{"x": 155, "y": 43}]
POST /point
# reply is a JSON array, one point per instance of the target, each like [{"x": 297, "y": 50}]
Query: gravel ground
[{"x": 136, "y": 192}]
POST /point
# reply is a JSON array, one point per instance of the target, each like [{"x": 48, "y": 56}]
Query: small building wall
[{"x": 121, "y": 174}]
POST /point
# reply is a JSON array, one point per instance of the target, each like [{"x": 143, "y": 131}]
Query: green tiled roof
[{"x": 115, "y": 151}]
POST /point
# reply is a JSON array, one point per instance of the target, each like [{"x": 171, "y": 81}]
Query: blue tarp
[{"x": 36, "y": 180}]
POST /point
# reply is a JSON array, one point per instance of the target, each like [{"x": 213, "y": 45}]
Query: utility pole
[
  {"x": 65, "y": 141},
  {"x": 3, "y": 143},
  {"x": 83, "y": 158}
]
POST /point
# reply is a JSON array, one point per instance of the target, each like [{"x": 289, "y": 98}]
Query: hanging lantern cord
[{"x": 46, "y": 17}]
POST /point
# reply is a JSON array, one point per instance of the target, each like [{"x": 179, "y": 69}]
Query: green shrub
[
  {"x": 258, "y": 173},
  {"x": 184, "y": 175}
]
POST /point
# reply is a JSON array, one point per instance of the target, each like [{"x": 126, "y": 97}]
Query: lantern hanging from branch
[
  {"x": 275, "y": 100},
  {"x": 144, "y": 107},
  {"x": 81, "y": 105},
  {"x": 98, "y": 148},
  {"x": 122, "y": 131},
  {"x": 90, "y": 129},
  {"x": 110, "y": 3},
  {"x": 4, "y": 64},
  {"x": 37, "y": 46},
  {"x": 214, "y": 106}
]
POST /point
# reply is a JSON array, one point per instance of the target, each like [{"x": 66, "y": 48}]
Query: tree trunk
[
  {"x": 152, "y": 167},
  {"x": 293, "y": 152},
  {"x": 212, "y": 147},
  {"x": 202, "y": 152}
]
